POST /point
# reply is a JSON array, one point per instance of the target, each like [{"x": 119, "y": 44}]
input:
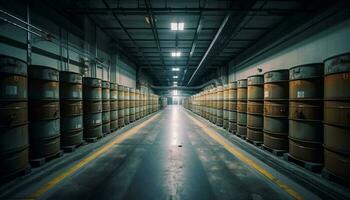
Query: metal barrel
[
  {"x": 305, "y": 112},
  {"x": 106, "y": 108},
  {"x": 137, "y": 104},
  {"x": 337, "y": 116},
  {"x": 44, "y": 111},
  {"x": 276, "y": 109},
  {"x": 255, "y": 97},
  {"x": 14, "y": 139},
  {"x": 219, "y": 105},
  {"x": 214, "y": 105},
  {"x": 232, "y": 115},
  {"x": 92, "y": 107},
  {"x": 121, "y": 106},
  {"x": 242, "y": 107},
  {"x": 132, "y": 105},
  {"x": 226, "y": 107},
  {"x": 71, "y": 109},
  {"x": 114, "y": 106},
  {"x": 126, "y": 105}
]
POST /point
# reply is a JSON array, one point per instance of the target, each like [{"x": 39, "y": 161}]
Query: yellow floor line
[
  {"x": 246, "y": 160},
  {"x": 88, "y": 159}
]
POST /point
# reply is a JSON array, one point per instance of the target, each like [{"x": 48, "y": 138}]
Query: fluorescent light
[
  {"x": 175, "y": 82},
  {"x": 176, "y": 54},
  {"x": 175, "y": 77},
  {"x": 175, "y": 26},
  {"x": 175, "y": 69},
  {"x": 180, "y": 26}
]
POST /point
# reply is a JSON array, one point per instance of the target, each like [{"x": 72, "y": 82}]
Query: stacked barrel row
[
  {"x": 71, "y": 104},
  {"x": 337, "y": 116},
  {"x": 232, "y": 96},
  {"x": 255, "y": 108},
  {"x": 113, "y": 106},
  {"x": 242, "y": 107},
  {"x": 305, "y": 112},
  {"x": 226, "y": 109},
  {"x": 44, "y": 110},
  {"x": 14, "y": 138},
  {"x": 276, "y": 110},
  {"x": 289, "y": 111}
]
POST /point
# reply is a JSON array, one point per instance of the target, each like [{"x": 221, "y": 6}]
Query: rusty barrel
[
  {"x": 121, "y": 106},
  {"x": 210, "y": 105},
  {"x": 92, "y": 108},
  {"x": 305, "y": 112},
  {"x": 44, "y": 111},
  {"x": 137, "y": 104},
  {"x": 226, "y": 107},
  {"x": 232, "y": 115},
  {"x": 255, "y": 108},
  {"x": 276, "y": 109},
  {"x": 71, "y": 109},
  {"x": 14, "y": 140},
  {"x": 126, "y": 105},
  {"x": 219, "y": 105},
  {"x": 132, "y": 104},
  {"x": 242, "y": 87},
  {"x": 337, "y": 116},
  {"x": 106, "y": 108},
  {"x": 114, "y": 106}
]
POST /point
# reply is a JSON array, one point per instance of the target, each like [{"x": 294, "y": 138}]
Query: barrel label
[
  {"x": 300, "y": 94},
  {"x": 11, "y": 90},
  {"x": 266, "y": 94}
]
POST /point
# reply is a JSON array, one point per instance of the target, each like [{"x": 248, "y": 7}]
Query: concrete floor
[{"x": 169, "y": 158}]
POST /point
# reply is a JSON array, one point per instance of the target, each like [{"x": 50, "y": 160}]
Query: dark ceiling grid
[
  {"x": 228, "y": 26},
  {"x": 154, "y": 27},
  {"x": 126, "y": 31}
]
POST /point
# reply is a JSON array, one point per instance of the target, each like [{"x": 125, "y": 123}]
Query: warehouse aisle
[{"x": 169, "y": 158}]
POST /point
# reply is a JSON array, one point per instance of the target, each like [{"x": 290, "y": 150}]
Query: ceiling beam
[{"x": 228, "y": 27}]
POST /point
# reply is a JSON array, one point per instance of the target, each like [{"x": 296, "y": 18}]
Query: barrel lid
[
  {"x": 337, "y": 64},
  {"x": 312, "y": 70},
  {"x": 43, "y": 73},
  {"x": 276, "y": 76},
  {"x": 70, "y": 77},
  {"x": 257, "y": 79},
  {"x": 12, "y": 65},
  {"x": 233, "y": 84},
  {"x": 92, "y": 82},
  {"x": 105, "y": 84},
  {"x": 242, "y": 83}
]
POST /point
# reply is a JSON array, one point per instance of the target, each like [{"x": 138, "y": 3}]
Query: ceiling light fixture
[
  {"x": 176, "y": 54},
  {"x": 177, "y": 26},
  {"x": 176, "y": 69},
  {"x": 175, "y": 77}
]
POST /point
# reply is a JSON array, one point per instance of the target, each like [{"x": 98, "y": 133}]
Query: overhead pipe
[{"x": 213, "y": 83}]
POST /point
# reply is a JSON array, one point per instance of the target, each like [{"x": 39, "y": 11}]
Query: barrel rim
[
  {"x": 334, "y": 56},
  {"x": 12, "y": 57}
]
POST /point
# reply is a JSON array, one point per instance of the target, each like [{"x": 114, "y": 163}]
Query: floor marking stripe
[
  {"x": 246, "y": 160},
  {"x": 89, "y": 158}
]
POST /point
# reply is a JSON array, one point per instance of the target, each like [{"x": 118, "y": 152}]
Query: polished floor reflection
[{"x": 169, "y": 158}]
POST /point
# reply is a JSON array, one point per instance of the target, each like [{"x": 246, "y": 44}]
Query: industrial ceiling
[{"x": 215, "y": 31}]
